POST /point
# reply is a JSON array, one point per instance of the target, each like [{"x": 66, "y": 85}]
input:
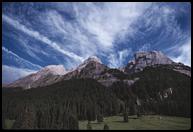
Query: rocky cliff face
[
  {"x": 154, "y": 58},
  {"x": 144, "y": 59},
  {"x": 93, "y": 68},
  {"x": 45, "y": 76},
  {"x": 90, "y": 68}
]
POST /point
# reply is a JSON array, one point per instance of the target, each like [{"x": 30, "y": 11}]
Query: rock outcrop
[
  {"x": 154, "y": 59},
  {"x": 144, "y": 59},
  {"x": 90, "y": 68},
  {"x": 46, "y": 76},
  {"x": 95, "y": 69}
]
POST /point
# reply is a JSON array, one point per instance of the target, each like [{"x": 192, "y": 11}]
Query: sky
[{"x": 35, "y": 35}]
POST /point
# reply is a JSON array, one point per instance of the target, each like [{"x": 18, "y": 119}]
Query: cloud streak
[
  {"x": 95, "y": 28},
  {"x": 117, "y": 60},
  {"x": 71, "y": 32},
  {"x": 184, "y": 53},
  {"x": 20, "y": 60},
  {"x": 40, "y": 37}
]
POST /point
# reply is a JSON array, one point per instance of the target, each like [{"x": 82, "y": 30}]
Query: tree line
[{"x": 62, "y": 105}]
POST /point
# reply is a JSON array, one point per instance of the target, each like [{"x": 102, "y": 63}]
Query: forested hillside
[
  {"x": 158, "y": 90},
  {"x": 164, "y": 91},
  {"x": 60, "y": 105}
]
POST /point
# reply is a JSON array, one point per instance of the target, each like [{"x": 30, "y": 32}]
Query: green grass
[
  {"x": 151, "y": 122},
  {"x": 9, "y": 123}
]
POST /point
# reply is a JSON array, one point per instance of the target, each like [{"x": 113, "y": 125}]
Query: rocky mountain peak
[
  {"x": 151, "y": 58},
  {"x": 45, "y": 76},
  {"x": 90, "y": 59},
  {"x": 93, "y": 58},
  {"x": 53, "y": 69},
  {"x": 143, "y": 59},
  {"x": 92, "y": 67}
]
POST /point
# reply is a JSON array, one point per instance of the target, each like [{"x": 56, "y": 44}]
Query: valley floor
[{"x": 150, "y": 122}]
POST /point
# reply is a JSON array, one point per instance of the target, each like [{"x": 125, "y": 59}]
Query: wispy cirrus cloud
[
  {"x": 118, "y": 59},
  {"x": 19, "y": 60},
  {"x": 109, "y": 20},
  {"x": 108, "y": 30},
  {"x": 94, "y": 28},
  {"x": 38, "y": 36},
  {"x": 183, "y": 53}
]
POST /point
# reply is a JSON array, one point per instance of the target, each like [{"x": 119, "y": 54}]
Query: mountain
[
  {"x": 90, "y": 68},
  {"x": 160, "y": 91},
  {"x": 153, "y": 59},
  {"x": 150, "y": 84},
  {"x": 93, "y": 68},
  {"x": 45, "y": 76},
  {"x": 55, "y": 73},
  {"x": 144, "y": 59},
  {"x": 59, "y": 105}
]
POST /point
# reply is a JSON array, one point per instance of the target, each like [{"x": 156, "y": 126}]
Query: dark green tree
[
  {"x": 125, "y": 116},
  {"x": 106, "y": 127},
  {"x": 100, "y": 118},
  {"x": 26, "y": 119}
]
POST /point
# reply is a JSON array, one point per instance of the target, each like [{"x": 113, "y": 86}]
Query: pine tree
[{"x": 26, "y": 119}]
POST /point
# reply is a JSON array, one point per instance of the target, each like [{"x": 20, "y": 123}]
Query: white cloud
[
  {"x": 95, "y": 27},
  {"x": 19, "y": 60},
  {"x": 184, "y": 53},
  {"x": 145, "y": 47},
  {"x": 74, "y": 38},
  {"x": 27, "y": 47},
  {"x": 109, "y": 20},
  {"x": 117, "y": 59},
  {"x": 10, "y": 74},
  {"x": 40, "y": 37}
]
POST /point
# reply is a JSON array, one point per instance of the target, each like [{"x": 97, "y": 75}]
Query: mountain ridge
[{"x": 93, "y": 68}]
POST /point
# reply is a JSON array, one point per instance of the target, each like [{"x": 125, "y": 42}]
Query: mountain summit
[
  {"x": 45, "y": 76},
  {"x": 153, "y": 59},
  {"x": 90, "y": 68},
  {"x": 144, "y": 59},
  {"x": 91, "y": 59},
  {"x": 53, "y": 69},
  {"x": 93, "y": 68}
]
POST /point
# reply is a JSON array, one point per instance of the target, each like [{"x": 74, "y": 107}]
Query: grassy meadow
[{"x": 151, "y": 122}]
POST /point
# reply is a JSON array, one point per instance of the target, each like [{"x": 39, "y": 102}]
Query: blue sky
[{"x": 35, "y": 35}]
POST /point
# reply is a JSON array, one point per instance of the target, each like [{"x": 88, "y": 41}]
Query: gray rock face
[
  {"x": 90, "y": 68},
  {"x": 93, "y": 68},
  {"x": 144, "y": 59},
  {"x": 179, "y": 67},
  {"x": 154, "y": 58},
  {"x": 46, "y": 76}
]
